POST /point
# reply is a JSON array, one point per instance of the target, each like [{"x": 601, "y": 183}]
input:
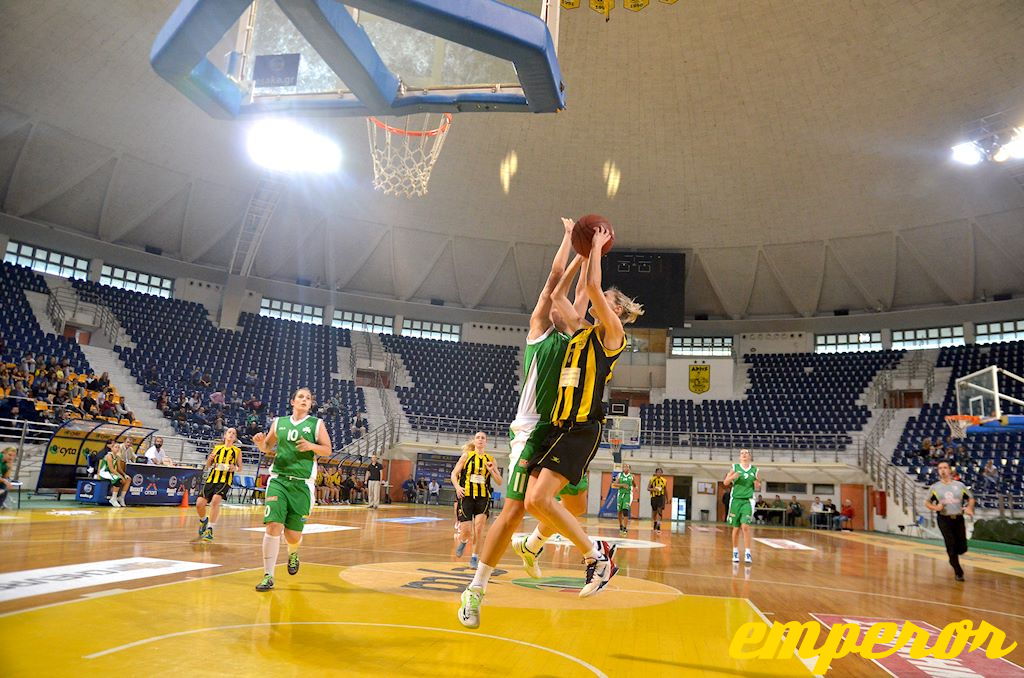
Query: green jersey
[
  {"x": 743, "y": 486},
  {"x": 3, "y": 468},
  {"x": 542, "y": 365},
  {"x": 290, "y": 461},
  {"x": 625, "y": 492}
]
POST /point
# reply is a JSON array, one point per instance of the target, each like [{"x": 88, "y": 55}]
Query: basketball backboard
[
  {"x": 626, "y": 428},
  {"x": 363, "y": 57},
  {"x": 989, "y": 393}
]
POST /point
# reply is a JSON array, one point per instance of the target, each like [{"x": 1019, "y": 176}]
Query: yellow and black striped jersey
[
  {"x": 657, "y": 486},
  {"x": 223, "y": 458},
  {"x": 586, "y": 368},
  {"x": 475, "y": 479}
]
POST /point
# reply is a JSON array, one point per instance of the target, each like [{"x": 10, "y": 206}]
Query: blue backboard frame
[{"x": 492, "y": 27}]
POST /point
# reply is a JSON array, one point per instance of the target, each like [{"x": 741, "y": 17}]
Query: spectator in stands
[
  {"x": 963, "y": 457},
  {"x": 759, "y": 514},
  {"x": 104, "y": 382},
  {"x": 217, "y": 399},
  {"x": 794, "y": 511},
  {"x": 151, "y": 376},
  {"x": 107, "y": 408},
  {"x": 75, "y": 389},
  {"x": 252, "y": 424},
  {"x": 361, "y": 423},
  {"x": 434, "y": 491},
  {"x": 122, "y": 412},
  {"x": 990, "y": 475},
  {"x": 236, "y": 400},
  {"x": 409, "y": 488},
  {"x": 163, "y": 403},
  {"x": 830, "y": 510},
  {"x": 254, "y": 404},
  {"x": 250, "y": 378},
  {"x": 817, "y": 509},
  {"x": 937, "y": 454},
  {"x": 205, "y": 381},
  {"x": 779, "y": 514},
  {"x": 195, "y": 376},
  {"x": 28, "y": 364},
  {"x": 845, "y": 516},
  {"x": 422, "y": 490}
]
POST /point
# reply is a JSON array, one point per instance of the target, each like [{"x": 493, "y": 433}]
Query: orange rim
[
  {"x": 963, "y": 417},
  {"x": 441, "y": 129}
]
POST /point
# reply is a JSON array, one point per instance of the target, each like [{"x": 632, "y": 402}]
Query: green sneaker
[
  {"x": 469, "y": 612},
  {"x": 293, "y": 563},
  {"x": 266, "y": 583},
  {"x": 208, "y": 534},
  {"x": 203, "y": 523}
]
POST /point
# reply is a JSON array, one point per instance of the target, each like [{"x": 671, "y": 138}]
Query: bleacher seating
[
  {"x": 1003, "y": 448},
  {"x": 457, "y": 381},
  {"x": 177, "y": 338},
  {"x": 805, "y": 400}
]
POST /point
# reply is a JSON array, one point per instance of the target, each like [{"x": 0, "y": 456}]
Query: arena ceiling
[{"x": 799, "y": 151}]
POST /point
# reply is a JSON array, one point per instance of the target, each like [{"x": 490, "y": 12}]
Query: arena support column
[
  {"x": 232, "y": 297},
  {"x": 95, "y": 269}
]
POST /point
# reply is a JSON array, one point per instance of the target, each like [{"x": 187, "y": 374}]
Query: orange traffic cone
[{"x": 184, "y": 499}]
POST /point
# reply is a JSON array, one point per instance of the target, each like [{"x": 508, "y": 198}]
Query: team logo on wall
[
  {"x": 700, "y": 378},
  {"x": 137, "y": 479}
]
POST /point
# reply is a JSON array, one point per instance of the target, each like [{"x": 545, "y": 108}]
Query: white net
[
  {"x": 404, "y": 151},
  {"x": 958, "y": 425}
]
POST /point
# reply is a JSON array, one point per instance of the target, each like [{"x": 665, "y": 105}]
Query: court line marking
[
  {"x": 590, "y": 667},
  {"x": 808, "y": 663},
  {"x": 85, "y": 596}
]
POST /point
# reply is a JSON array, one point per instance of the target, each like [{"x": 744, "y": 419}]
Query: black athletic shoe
[
  {"x": 266, "y": 583},
  {"x": 293, "y": 563},
  {"x": 960, "y": 577}
]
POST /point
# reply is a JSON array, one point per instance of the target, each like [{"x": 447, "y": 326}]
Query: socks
[
  {"x": 271, "y": 547},
  {"x": 535, "y": 542},
  {"x": 482, "y": 576},
  {"x": 293, "y": 548},
  {"x": 212, "y": 523},
  {"x": 594, "y": 554}
]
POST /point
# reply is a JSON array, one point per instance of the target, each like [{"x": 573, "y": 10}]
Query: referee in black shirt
[{"x": 946, "y": 498}]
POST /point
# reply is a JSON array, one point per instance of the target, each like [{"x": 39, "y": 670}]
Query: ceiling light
[
  {"x": 285, "y": 146},
  {"x": 967, "y": 153},
  {"x": 612, "y": 177},
  {"x": 508, "y": 168}
]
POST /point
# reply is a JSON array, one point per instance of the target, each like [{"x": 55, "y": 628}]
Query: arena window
[
  {"x": 136, "y": 281},
  {"x": 47, "y": 261},
  {"x": 928, "y": 337},
  {"x": 702, "y": 346},
  {"x": 431, "y": 330},
  {"x": 848, "y": 343},
  {"x": 364, "y": 322},
  {"x": 785, "y": 488},
  {"x": 287, "y": 310},
  {"x": 993, "y": 333}
]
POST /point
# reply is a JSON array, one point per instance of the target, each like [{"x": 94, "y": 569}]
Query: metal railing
[{"x": 64, "y": 305}]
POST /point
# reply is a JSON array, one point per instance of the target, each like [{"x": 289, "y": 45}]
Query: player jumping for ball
[
  {"x": 743, "y": 479},
  {"x": 294, "y": 442}
]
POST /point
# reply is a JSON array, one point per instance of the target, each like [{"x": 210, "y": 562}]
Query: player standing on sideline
[
  {"x": 542, "y": 361},
  {"x": 656, "y": 487},
  {"x": 624, "y": 484},
  {"x": 946, "y": 498},
  {"x": 472, "y": 478},
  {"x": 578, "y": 415},
  {"x": 6, "y": 463},
  {"x": 225, "y": 459},
  {"x": 743, "y": 480},
  {"x": 294, "y": 442}
]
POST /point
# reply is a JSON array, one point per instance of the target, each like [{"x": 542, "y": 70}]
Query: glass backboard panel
[{"x": 977, "y": 394}]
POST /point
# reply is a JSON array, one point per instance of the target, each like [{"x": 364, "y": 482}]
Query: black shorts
[
  {"x": 470, "y": 507},
  {"x": 568, "y": 450},
  {"x": 658, "y": 503},
  {"x": 210, "y": 489}
]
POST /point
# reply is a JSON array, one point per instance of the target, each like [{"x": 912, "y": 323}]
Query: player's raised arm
[
  {"x": 581, "y": 301},
  {"x": 560, "y": 303},
  {"x": 539, "y": 319},
  {"x": 614, "y": 335}
]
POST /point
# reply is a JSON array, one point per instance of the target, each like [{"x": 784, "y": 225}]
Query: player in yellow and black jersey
[
  {"x": 223, "y": 462},
  {"x": 578, "y": 415},
  {"x": 472, "y": 478},
  {"x": 656, "y": 487}
]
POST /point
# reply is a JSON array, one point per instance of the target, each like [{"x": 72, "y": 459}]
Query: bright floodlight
[
  {"x": 967, "y": 153},
  {"x": 286, "y": 146},
  {"x": 1014, "y": 148}
]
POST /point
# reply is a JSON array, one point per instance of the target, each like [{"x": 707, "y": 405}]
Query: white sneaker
[
  {"x": 529, "y": 558},
  {"x": 600, "y": 572},
  {"x": 113, "y": 502},
  {"x": 469, "y": 612},
  {"x": 735, "y": 556},
  {"x": 747, "y": 559}
]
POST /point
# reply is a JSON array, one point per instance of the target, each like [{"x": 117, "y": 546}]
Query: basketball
[{"x": 583, "y": 233}]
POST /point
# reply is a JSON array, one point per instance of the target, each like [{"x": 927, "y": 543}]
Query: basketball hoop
[
  {"x": 615, "y": 441},
  {"x": 959, "y": 423},
  {"x": 404, "y": 154}
]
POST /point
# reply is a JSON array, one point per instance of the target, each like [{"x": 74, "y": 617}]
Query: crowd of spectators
[
  {"x": 42, "y": 388},
  {"x": 931, "y": 452}
]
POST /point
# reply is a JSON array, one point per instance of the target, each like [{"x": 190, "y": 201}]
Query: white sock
[
  {"x": 482, "y": 576},
  {"x": 594, "y": 554},
  {"x": 212, "y": 523},
  {"x": 535, "y": 542},
  {"x": 271, "y": 546},
  {"x": 293, "y": 548}
]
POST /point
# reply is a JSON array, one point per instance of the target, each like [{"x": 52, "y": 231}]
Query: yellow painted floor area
[{"x": 319, "y": 621}]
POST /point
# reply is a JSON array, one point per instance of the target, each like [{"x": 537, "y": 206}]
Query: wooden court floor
[{"x": 377, "y": 592}]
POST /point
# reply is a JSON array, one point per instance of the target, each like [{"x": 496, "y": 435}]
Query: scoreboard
[{"x": 655, "y": 279}]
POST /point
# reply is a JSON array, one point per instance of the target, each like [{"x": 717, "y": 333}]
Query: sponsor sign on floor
[
  {"x": 311, "y": 528},
  {"x": 786, "y": 544},
  {"x": 14, "y": 585}
]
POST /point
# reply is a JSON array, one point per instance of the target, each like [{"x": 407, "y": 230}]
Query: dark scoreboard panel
[{"x": 655, "y": 279}]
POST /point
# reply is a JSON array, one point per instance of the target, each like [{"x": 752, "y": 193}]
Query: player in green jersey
[
  {"x": 542, "y": 364},
  {"x": 6, "y": 467},
  {"x": 294, "y": 442},
  {"x": 624, "y": 484},
  {"x": 743, "y": 478}
]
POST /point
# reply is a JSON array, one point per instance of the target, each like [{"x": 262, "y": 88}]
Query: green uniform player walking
[
  {"x": 294, "y": 442},
  {"x": 624, "y": 483},
  {"x": 743, "y": 479}
]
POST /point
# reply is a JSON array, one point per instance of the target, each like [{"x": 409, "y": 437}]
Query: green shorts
[
  {"x": 523, "y": 445},
  {"x": 741, "y": 512},
  {"x": 624, "y": 501},
  {"x": 579, "y": 488},
  {"x": 288, "y": 502}
]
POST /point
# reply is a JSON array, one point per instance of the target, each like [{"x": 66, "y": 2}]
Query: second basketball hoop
[{"x": 404, "y": 151}]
